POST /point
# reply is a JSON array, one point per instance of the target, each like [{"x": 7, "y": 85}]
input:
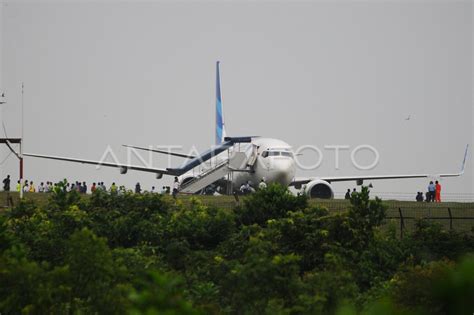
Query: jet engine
[{"x": 319, "y": 189}]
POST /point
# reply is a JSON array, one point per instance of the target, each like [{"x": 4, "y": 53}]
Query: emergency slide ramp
[{"x": 237, "y": 162}]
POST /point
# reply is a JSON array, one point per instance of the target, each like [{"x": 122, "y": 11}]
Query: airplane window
[{"x": 277, "y": 153}]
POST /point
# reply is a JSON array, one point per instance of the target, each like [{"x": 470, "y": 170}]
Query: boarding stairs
[{"x": 238, "y": 161}]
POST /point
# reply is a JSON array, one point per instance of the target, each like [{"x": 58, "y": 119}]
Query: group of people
[
  {"x": 432, "y": 195},
  {"x": 81, "y": 187},
  {"x": 29, "y": 186},
  {"x": 246, "y": 188},
  {"x": 349, "y": 194}
]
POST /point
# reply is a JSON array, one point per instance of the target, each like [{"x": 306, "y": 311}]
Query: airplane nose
[{"x": 283, "y": 171}]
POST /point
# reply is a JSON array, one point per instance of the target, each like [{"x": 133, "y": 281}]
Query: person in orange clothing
[{"x": 438, "y": 192}]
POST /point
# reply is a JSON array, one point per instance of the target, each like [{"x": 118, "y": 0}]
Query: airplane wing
[
  {"x": 195, "y": 161},
  {"x": 160, "y": 151},
  {"x": 123, "y": 167},
  {"x": 297, "y": 182}
]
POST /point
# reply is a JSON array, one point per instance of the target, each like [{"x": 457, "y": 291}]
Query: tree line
[{"x": 274, "y": 253}]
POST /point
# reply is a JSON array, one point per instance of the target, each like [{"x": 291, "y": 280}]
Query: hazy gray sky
[{"x": 98, "y": 73}]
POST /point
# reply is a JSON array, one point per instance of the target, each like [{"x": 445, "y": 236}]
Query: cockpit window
[{"x": 277, "y": 153}]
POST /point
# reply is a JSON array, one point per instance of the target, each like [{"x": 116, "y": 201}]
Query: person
[
  {"x": 32, "y": 187},
  {"x": 168, "y": 190},
  {"x": 249, "y": 187},
  {"x": 121, "y": 190},
  {"x": 354, "y": 192},
  {"x": 348, "y": 194},
  {"x": 438, "y": 192},
  {"x": 243, "y": 189},
  {"x": 419, "y": 196},
  {"x": 163, "y": 190},
  {"x": 113, "y": 188},
  {"x": 57, "y": 188},
  {"x": 262, "y": 184},
  {"x": 210, "y": 190},
  {"x": 138, "y": 189},
  {"x": 18, "y": 186},
  {"x": 41, "y": 188},
  {"x": 6, "y": 183},
  {"x": 153, "y": 189},
  {"x": 431, "y": 191},
  {"x": 93, "y": 188},
  {"x": 175, "y": 186},
  {"x": 84, "y": 188},
  {"x": 26, "y": 187}
]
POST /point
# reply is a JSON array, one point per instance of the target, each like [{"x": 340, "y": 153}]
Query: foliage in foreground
[{"x": 149, "y": 254}]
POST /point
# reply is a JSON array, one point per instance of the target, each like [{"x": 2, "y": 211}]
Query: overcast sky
[{"x": 309, "y": 73}]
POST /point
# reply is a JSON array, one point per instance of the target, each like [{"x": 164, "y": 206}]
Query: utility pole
[
  {"x": 21, "y": 144},
  {"x": 9, "y": 142}
]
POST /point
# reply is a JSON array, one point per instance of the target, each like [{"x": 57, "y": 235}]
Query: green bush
[
  {"x": 271, "y": 203},
  {"x": 149, "y": 253}
]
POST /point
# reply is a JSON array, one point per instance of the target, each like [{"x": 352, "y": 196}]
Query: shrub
[{"x": 271, "y": 203}]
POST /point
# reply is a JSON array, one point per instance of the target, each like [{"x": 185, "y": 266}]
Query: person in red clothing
[
  {"x": 93, "y": 188},
  {"x": 438, "y": 192}
]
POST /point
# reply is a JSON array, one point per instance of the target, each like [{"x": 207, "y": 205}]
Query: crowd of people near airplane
[
  {"x": 432, "y": 195},
  {"x": 29, "y": 186},
  {"x": 247, "y": 187}
]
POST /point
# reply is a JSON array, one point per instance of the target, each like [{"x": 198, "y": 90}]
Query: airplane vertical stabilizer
[{"x": 220, "y": 127}]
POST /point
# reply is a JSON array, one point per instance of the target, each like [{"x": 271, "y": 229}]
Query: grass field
[{"x": 456, "y": 215}]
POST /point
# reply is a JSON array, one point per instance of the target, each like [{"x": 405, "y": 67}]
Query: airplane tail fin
[{"x": 220, "y": 126}]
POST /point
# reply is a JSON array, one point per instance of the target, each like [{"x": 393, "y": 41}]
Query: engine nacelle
[{"x": 319, "y": 189}]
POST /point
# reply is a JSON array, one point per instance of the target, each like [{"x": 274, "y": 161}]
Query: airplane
[{"x": 264, "y": 159}]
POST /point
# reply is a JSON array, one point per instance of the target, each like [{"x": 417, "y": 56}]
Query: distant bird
[{"x": 408, "y": 118}]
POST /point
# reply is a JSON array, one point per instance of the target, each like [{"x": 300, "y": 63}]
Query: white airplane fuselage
[{"x": 274, "y": 163}]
